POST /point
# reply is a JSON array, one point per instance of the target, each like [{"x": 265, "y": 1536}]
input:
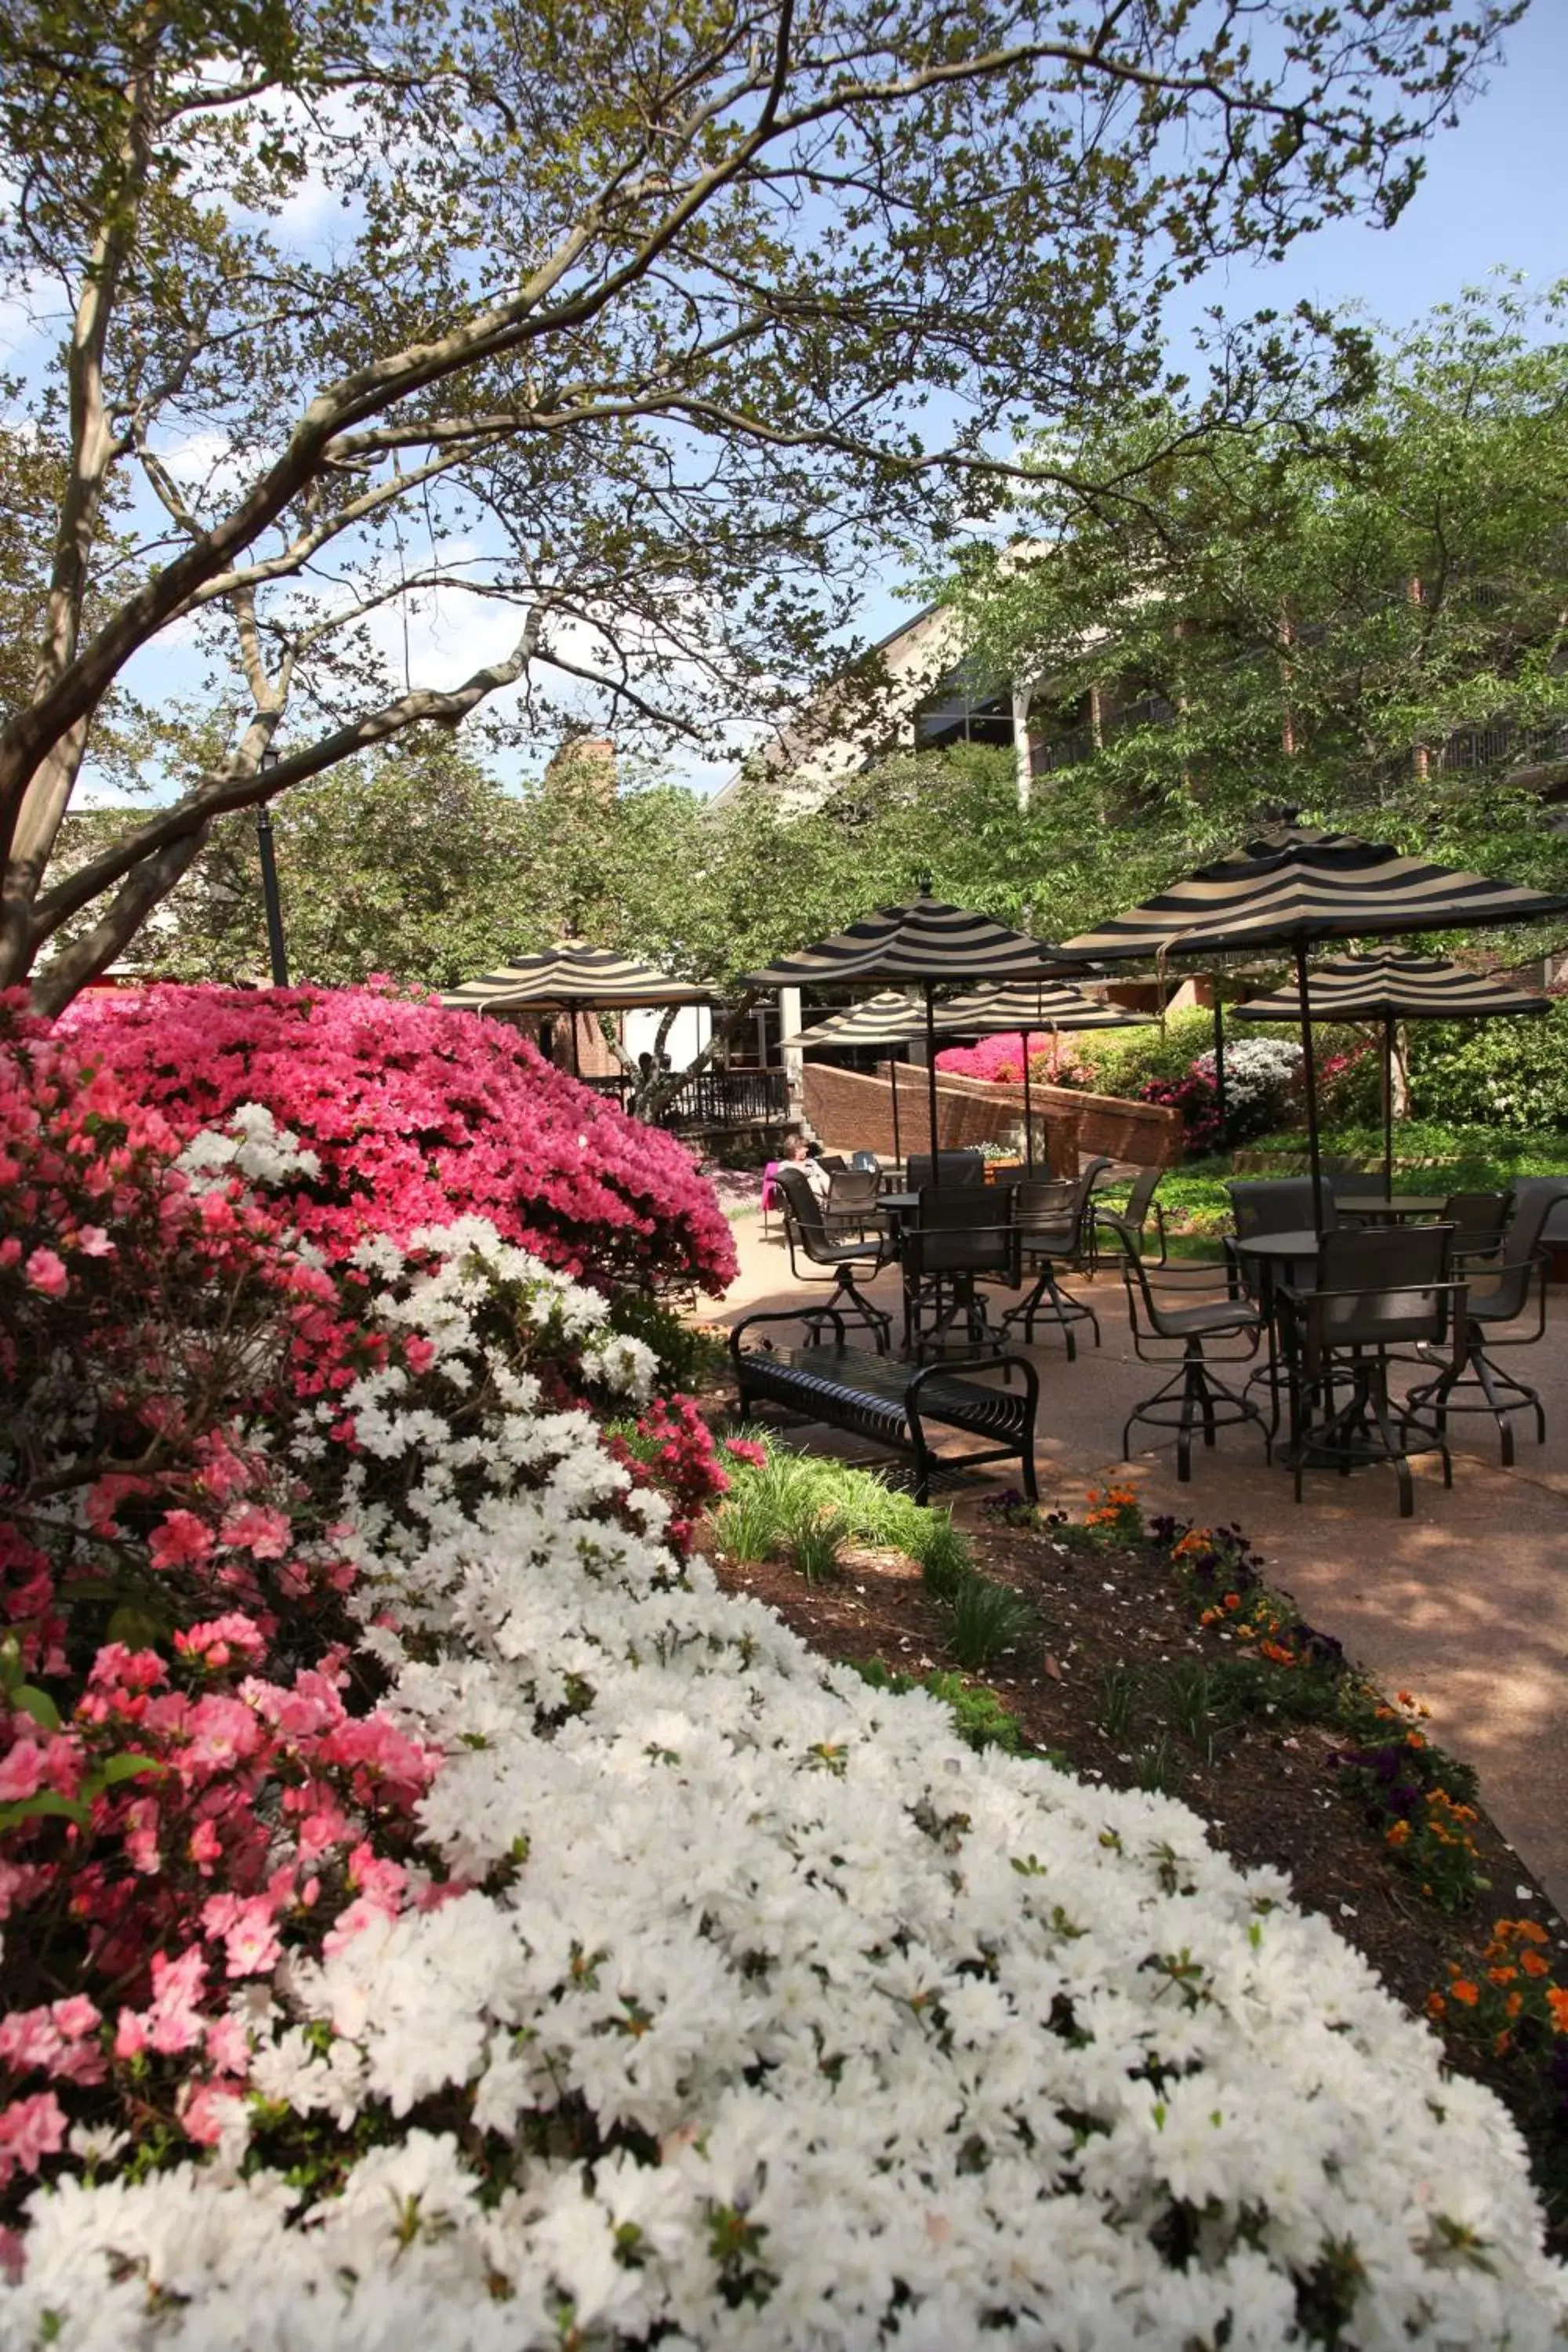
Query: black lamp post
[{"x": 276, "y": 950}]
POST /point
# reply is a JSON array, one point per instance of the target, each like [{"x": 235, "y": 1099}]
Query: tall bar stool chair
[
  {"x": 1504, "y": 1274},
  {"x": 1174, "y": 1327},
  {"x": 844, "y": 1250}
]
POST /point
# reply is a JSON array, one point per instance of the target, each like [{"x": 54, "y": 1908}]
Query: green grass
[
  {"x": 790, "y": 1497},
  {"x": 979, "y": 1715},
  {"x": 987, "y": 1619},
  {"x": 1428, "y": 1156}
]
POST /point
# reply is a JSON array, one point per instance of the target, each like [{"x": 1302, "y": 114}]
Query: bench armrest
[{"x": 786, "y": 1315}]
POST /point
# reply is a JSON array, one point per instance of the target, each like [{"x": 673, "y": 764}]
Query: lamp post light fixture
[{"x": 277, "y": 953}]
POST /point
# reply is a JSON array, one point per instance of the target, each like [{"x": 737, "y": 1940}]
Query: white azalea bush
[{"x": 730, "y": 2003}]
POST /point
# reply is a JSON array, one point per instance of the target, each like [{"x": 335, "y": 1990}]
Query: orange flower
[
  {"x": 1233, "y": 1600},
  {"x": 1528, "y": 1929},
  {"x": 1533, "y": 1965},
  {"x": 1435, "y": 2005},
  {"x": 1514, "y": 2003},
  {"x": 1557, "y": 2002},
  {"x": 1503, "y": 1976},
  {"x": 1400, "y": 1834},
  {"x": 1414, "y": 1740},
  {"x": 1503, "y": 2044},
  {"x": 1463, "y": 1990}
]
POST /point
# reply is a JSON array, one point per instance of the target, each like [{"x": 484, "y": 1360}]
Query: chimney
[{"x": 587, "y": 763}]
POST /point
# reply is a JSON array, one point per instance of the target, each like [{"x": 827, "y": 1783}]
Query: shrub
[
  {"x": 1054, "y": 1061},
  {"x": 567, "y": 1954},
  {"x": 987, "y": 1619},
  {"x": 416, "y": 1117},
  {"x": 1499, "y": 1074}
]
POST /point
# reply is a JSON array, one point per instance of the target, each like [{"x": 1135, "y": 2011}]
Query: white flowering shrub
[
  {"x": 751, "y": 2008},
  {"x": 1259, "y": 1075}
]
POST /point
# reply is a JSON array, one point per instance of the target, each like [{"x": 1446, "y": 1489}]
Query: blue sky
[{"x": 1492, "y": 197}]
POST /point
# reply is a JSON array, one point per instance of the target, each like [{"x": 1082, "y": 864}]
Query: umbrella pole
[
  {"x": 1028, "y": 1110},
  {"x": 893, "y": 1074},
  {"x": 577, "y": 1048},
  {"x": 1218, "y": 1055},
  {"x": 1309, "y": 1070},
  {"x": 931, "y": 1084},
  {"x": 1388, "y": 1104}
]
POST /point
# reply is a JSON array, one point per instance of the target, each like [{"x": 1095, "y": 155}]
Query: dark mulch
[{"x": 1272, "y": 1793}]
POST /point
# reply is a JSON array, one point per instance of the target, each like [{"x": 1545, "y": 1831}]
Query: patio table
[{"x": 1390, "y": 1208}]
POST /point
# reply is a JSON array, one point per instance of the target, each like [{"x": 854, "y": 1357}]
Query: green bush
[
  {"x": 978, "y": 1714},
  {"x": 688, "y": 1356},
  {"x": 1122, "y": 1060},
  {"x": 1508, "y": 1073},
  {"x": 987, "y": 1619}
]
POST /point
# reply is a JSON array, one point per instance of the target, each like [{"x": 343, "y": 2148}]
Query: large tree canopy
[
  {"x": 1368, "y": 621},
  {"x": 634, "y": 325}
]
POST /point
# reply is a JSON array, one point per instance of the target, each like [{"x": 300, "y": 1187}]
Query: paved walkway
[{"x": 1465, "y": 1604}]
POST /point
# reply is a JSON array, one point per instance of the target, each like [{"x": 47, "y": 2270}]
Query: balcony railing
[{"x": 713, "y": 1100}]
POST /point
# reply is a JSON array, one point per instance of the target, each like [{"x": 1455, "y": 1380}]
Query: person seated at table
[{"x": 800, "y": 1151}]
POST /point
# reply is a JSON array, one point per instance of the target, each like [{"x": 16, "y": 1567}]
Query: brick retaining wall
[{"x": 851, "y": 1111}]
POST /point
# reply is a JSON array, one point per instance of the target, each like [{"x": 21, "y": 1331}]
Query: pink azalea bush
[
  {"x": 417, "y": 1116},
  {"x": 1053, "y": 1061},
  {"x": 197, "y": 1776}
]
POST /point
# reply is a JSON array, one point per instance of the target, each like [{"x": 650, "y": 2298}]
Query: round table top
[
  {"x": 899, "y": 1202},
  {"x": 1395, "y": 1205},
  {"x": 1288, "y": 1244}
]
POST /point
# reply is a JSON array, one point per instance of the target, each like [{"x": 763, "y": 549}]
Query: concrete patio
[{"x": 1465, "y": 1604}]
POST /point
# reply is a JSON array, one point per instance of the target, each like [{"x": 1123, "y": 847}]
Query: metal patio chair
[
  {"x": 1381, "y": 1290},
  {"x": 1503, "y": 1275},
  {"x": 1053, "y": 1218},
  {"x": 1128, "y": 1224},
  {"x": 950, "y": 1168},
  {"x": 1179, "y": 1329},
  {"x": 845, "y": 1249},
  {"x": 964, "y": 1235}
]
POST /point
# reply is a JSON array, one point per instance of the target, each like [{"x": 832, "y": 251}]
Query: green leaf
[
  {"x": 29, "y": 1700},
  {"x": 123, "y": 1767},
  {"x": 138, "y": 1626},
  {"x": 47, "y": 1804}
]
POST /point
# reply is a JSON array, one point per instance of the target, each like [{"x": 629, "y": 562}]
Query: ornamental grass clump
[{"x": 534, "y": 1945}]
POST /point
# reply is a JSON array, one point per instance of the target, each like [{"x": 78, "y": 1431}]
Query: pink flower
[
  {"x": 180, "y": 1540},
  {"x": 206, "y": 2109},
  {"x": 264, "y": 1534},
  {"x": 46, "y": 1271},
  {"x": 245, "y": 1923},
  {"x": 21, "y": 1772},
  {"x": 93, "y": 1241},
  {"x": 30, "y": 2130}
]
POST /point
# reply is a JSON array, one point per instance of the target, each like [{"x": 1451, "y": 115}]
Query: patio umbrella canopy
[
  {"x": 1389, "y": 988},
  {"x": 889, "y": 1019},
  {"x": 573, "y": 977},
  {"x": 1294, "y": 885},
  {"x": 927, "y": 940}
]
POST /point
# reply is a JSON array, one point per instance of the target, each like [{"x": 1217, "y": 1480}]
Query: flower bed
[
  {"x": 599, "y": 1966},
  {"x": 417, "y": 1116}
]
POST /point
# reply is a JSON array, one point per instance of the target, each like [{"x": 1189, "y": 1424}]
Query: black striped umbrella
[
  {"x": 1389, "y": 988},
  {"x": 1294, "y": 885},
  {"x": 889, "y": 1019},
  {"x": 927, "y": 940},
  {"x": 573, "y": 977}
]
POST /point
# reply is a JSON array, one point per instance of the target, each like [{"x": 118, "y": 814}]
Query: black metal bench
[{"x": 892, "y": 1403}]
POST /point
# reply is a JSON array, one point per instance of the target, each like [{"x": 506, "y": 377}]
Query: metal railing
[{"x": 713, "y": 1099}]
